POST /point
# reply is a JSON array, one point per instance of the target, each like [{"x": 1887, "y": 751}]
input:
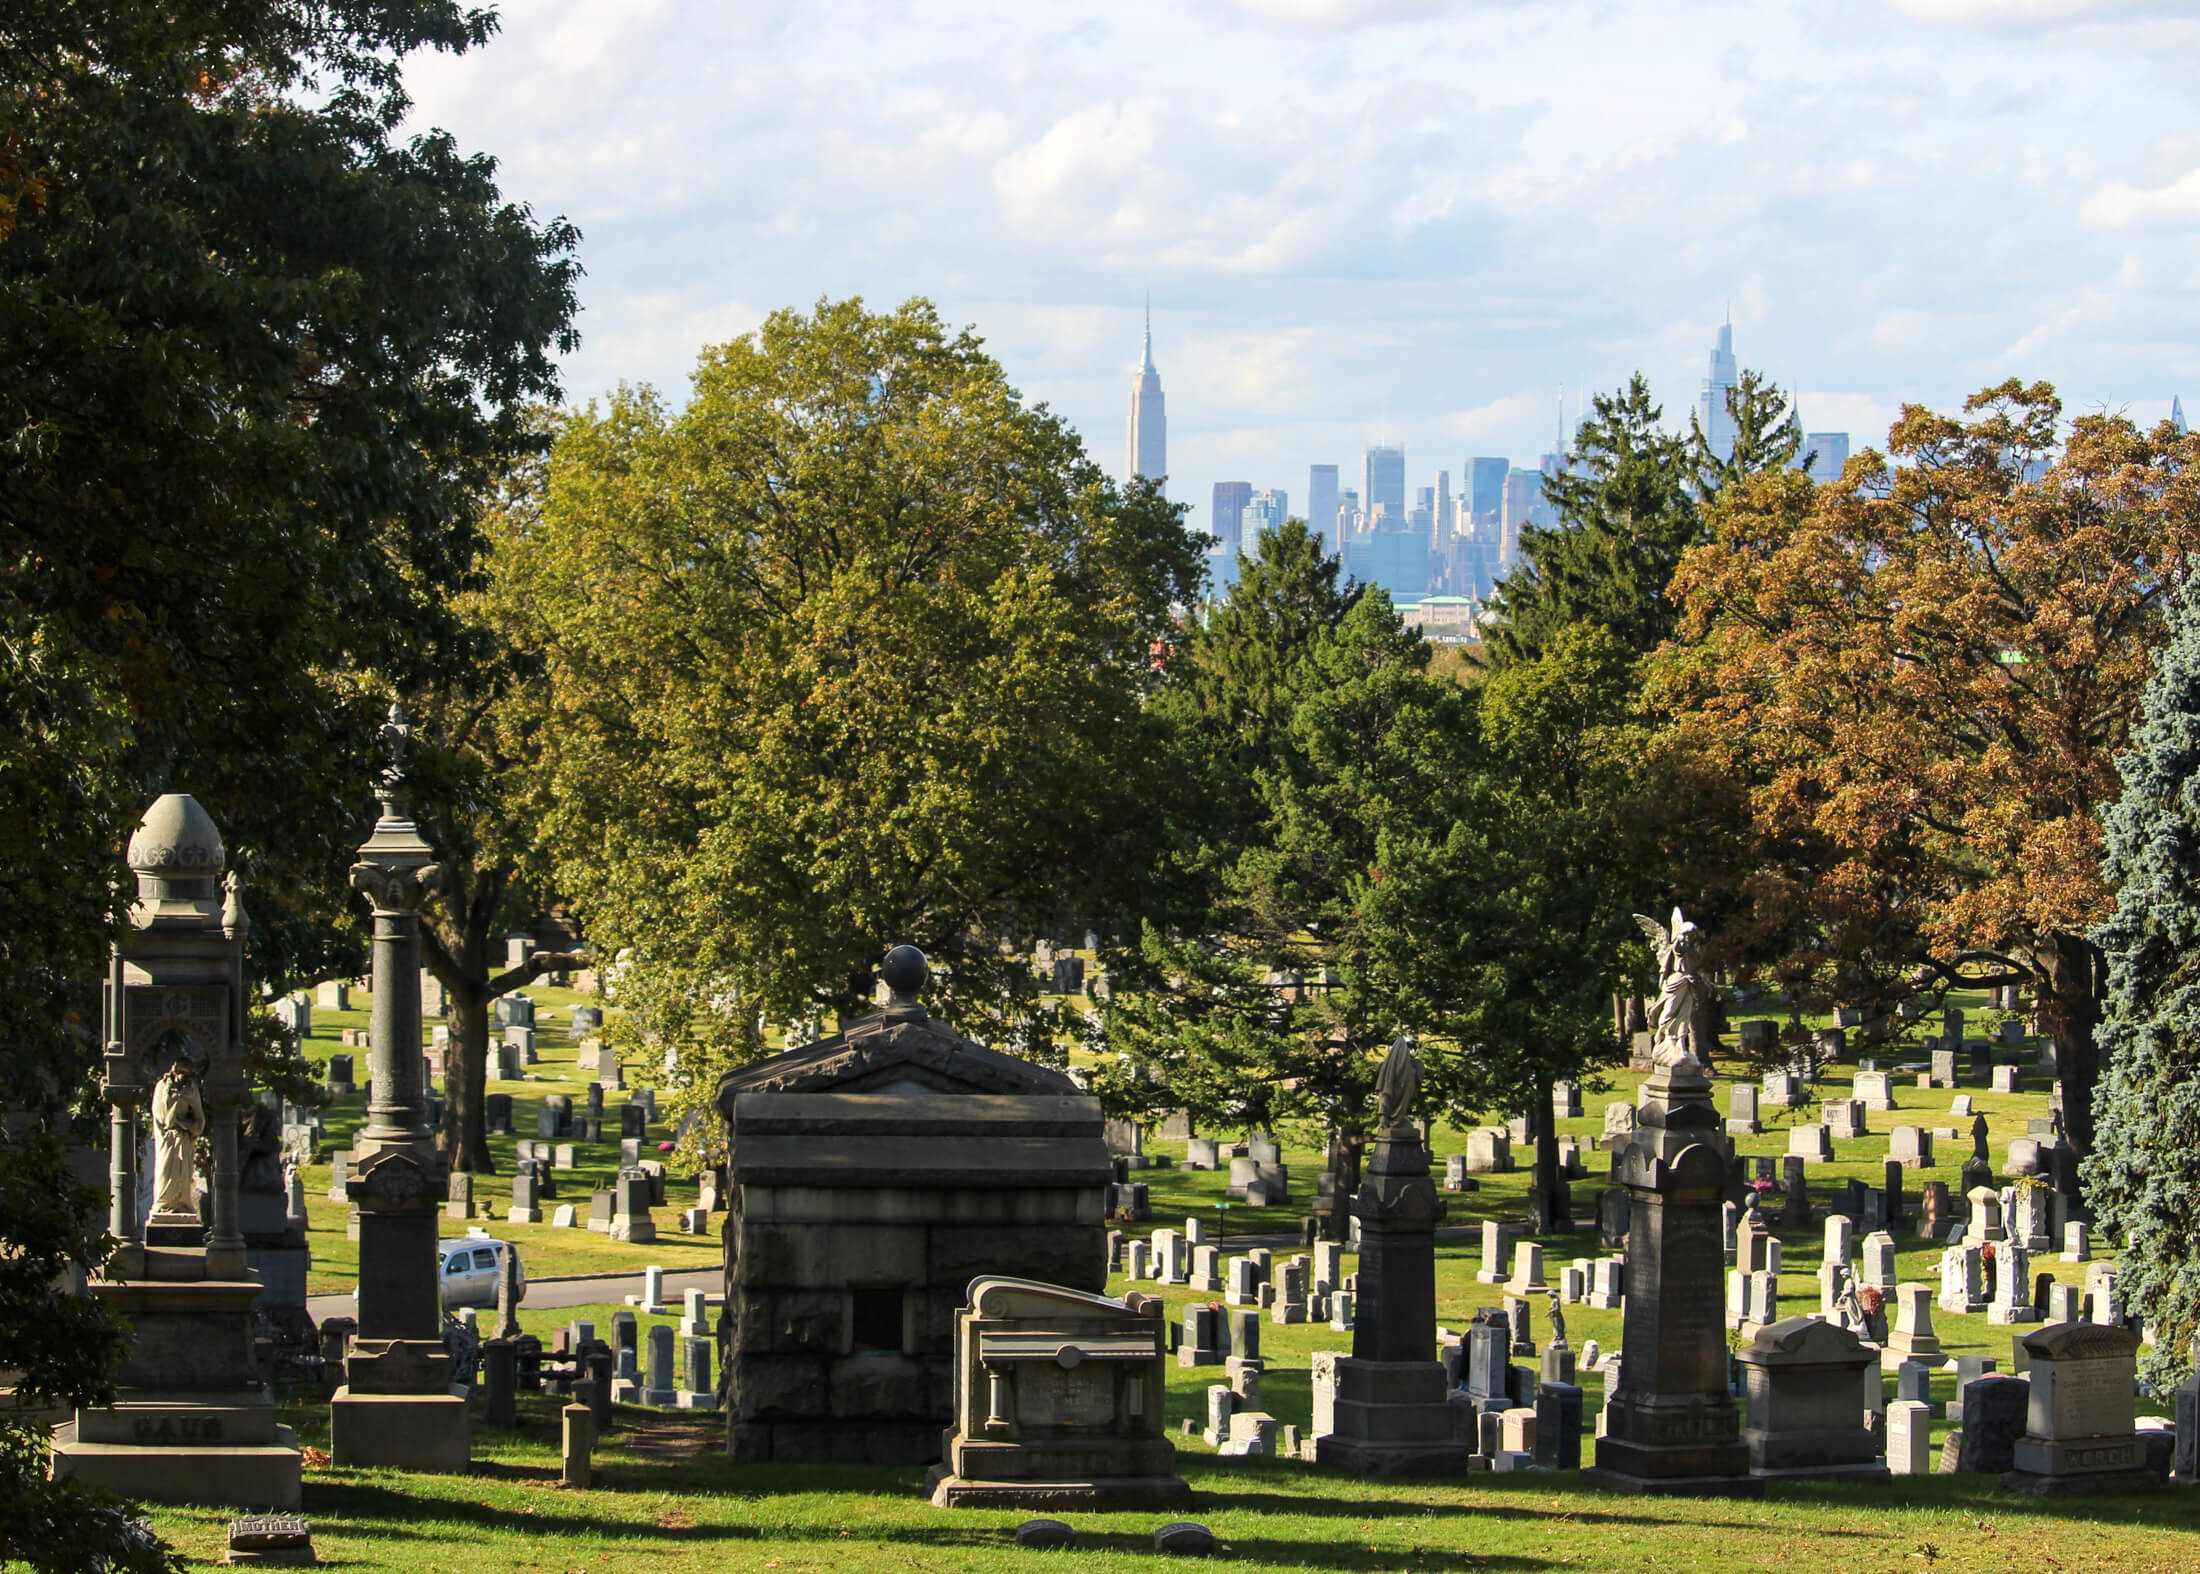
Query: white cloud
[
  {"x": 2119, "y": 205},
  {"x": 1373, "y": 214}
]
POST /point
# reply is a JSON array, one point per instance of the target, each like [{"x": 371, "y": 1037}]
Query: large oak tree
[{"x": 848, "y": 652}]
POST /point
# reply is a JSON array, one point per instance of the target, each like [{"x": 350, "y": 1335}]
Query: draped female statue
[{"x": 178, "y": 1120}]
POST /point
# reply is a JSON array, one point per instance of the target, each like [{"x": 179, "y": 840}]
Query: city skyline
[{"x": 1579, "y": 190}]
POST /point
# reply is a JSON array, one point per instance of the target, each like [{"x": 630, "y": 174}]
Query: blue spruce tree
[{"x": 2143, "y": 1176}]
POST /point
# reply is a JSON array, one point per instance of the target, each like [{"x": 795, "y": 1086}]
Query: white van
[{"x": 467, "y": 1271}]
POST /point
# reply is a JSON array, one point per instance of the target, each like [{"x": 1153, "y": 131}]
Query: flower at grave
[
  {"x": 1763, "y": 1188},
  {"x": 1871, "y": 1298},
  {"x": 1986, "y": 1252},
  {"x": 664, "y": 1147}
]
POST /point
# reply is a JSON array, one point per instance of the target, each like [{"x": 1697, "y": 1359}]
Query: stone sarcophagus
[
  {"x": 1059, "y": 1400},
  {"x": 873, "y": 1176}
]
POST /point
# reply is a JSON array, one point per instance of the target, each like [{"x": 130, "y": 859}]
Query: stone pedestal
[
  {"x": 1383, "y": 1410},
  {"x": 1673, "y": 1426},
  {"x": 193, "y": 1422}
]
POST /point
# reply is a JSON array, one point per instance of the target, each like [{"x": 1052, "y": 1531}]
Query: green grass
[
  {"x": 666, "y": 1499},
  {"x": 547, "y": 1252}
]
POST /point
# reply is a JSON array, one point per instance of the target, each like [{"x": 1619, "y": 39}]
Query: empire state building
[{"x": 1146, "y": 446}]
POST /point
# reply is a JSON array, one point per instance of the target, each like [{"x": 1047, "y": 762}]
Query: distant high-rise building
[
  {"x": 1822, "y": 455},
  {"x": 2177, "y": 414},
  {"x": 1321, "y": 502},
  {"x": 1446, "y": 522},
  {"x": 1486, "y": 486},
  {"x": 1227, "y": 524},
  {"x": 1147, "y": 442},
  {"x": 1711, "y": 411},
  {"x": 1524, "y": 506},
  {"x": 1266, "y": 511},
  {"x": 1386, "y": 479}
]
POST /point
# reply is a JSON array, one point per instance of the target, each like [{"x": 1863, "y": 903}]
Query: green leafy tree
[
  {"x": 480, "y": 796},
  {"x": 1625, "y": 515},
  {"x": 851, "y": 651},
  {"x": 255, "y": 359},
  {"x": 2143, "y": 1175}
]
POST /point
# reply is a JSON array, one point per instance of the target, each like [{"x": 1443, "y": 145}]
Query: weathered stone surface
[
  {"x": 1184, "y": 1539},
  {"x": 1045, "y": 1535}
]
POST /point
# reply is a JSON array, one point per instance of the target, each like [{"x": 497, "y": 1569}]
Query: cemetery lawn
[
  {"x": 666, "y": 1500},
  {"x": 547, "y": 1252}
]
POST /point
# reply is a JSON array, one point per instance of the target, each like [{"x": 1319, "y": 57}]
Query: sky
[{"x": 1431, "y": 222}]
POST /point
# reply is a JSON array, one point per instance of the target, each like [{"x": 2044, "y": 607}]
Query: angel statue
[
  {"x": 1680, "y": 1022},
  {"x": 178, "y": 1120},
  {"x": 1396, "y": 1083}
]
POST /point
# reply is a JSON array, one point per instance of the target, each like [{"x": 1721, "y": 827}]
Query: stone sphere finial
[{"x": 905, "y": 971}]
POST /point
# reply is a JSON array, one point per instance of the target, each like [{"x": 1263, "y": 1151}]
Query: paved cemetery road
[{"x": 550, "y": 1294}]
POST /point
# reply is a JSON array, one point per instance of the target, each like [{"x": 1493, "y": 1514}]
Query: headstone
[
  {"x": 1944, "y": 1068},
  {"x": 1874, "y": 1090},
  {"x": 1489, "y": 1151},
  {"x": 580, "y": 1443},
  {"x": 2078, "y": 1433},
  {"x": 1912, "y": 1338},
  {"x": 2012, "y": 1298},
  {"x": 1741, "y": 1118},
  {"x": 1803, "y": 1377},
  {"x": 1911, "y": 1146},
  {"x": 1879, "y": 1261},
  {"x": 2077, "y": 1241},
  {"x": 1810, "y": 1142},
  {"x": 1993, "y": 1419},
  {"x": 1909, "y": 1438},
  {"x": 1494, "y": 1267}
]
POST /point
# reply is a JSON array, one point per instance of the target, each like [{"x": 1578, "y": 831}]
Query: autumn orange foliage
[{"x": 1923, "y": 671}]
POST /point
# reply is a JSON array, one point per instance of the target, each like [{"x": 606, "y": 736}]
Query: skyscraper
[
  {"x": 1486, "y": 486},
  {"x": 1446, "y": 523},
  {"x": 2177, "y": 414},
  {"x": 1321, "y": 502},
  {"x": 1524, "y": 506},
  {"x": 1267, "y": 511},
  {"x": 1227, "y": 525},
  {"x": 1711, "y": 412},
  {"x": 1147, "y": 444},
  {"x": 1386, "y": 481},
  {"x": 1822, "y": 455}
]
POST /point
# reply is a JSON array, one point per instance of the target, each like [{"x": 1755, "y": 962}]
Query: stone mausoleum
[{"x": 873, "y": 1176}]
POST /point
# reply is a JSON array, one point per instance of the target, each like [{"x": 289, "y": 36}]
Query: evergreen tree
[
  {"x": 1768, "y": 433},
  {"x": 1624, "y": 518},
  {"x": 2143, "y": 1175}
]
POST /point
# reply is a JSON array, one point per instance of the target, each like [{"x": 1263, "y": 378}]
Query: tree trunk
[
  {"x": 465, "y": 1134},
  {"x": 1543, "y": 1131},
  {"x": 2071, "y": 1004}
]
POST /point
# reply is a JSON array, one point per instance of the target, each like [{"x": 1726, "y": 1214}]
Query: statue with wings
[{"x": 1681, "y": 1020}]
